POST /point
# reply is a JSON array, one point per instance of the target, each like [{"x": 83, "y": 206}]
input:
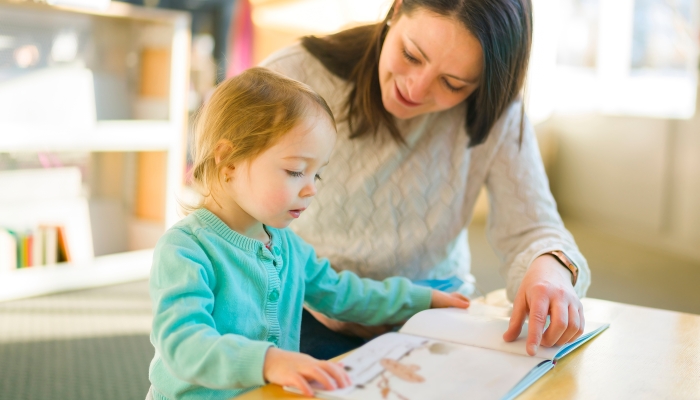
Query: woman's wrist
[
  {"x": 567, "y": 263},
  {"x": 549, "y": 263}
]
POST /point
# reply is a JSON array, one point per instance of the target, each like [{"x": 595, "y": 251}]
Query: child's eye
[
  {"x": 296, "y": 174},
  {"x": 317, "y": 177}
]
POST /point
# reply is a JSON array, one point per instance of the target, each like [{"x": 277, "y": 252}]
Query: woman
[{"x": 430, "y": 111}]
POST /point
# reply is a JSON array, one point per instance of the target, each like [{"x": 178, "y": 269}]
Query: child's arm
[
  {"x": 444, "y": 300},
  {"x": 184, "y": 332},
  {"x": 347, "y": 297}
]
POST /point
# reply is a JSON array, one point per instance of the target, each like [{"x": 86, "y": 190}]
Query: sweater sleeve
[
  {"x": 347, "y": 297},
  {"x": 523, "y": 219},
  {"x": 184, "y": 332}
]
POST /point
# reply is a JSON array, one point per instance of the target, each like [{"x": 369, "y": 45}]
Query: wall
[{"x": 637, "y": 178}]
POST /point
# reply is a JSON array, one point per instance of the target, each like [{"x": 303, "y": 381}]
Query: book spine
[
  {"x": 8, "y": 251},
  {"x": 38, "y": 247},
  {"x": 50, "y": 245},
  {"x": 24, "y": 251}
]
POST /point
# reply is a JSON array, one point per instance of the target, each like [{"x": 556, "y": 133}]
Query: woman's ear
[{"x": 397, "y": 8}]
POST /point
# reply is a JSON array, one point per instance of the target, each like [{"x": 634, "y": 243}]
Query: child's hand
[
  {"x": 286, "y": 368},
  {"x": 444, "y": 300}
]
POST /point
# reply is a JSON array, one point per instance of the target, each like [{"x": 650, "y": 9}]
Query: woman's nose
[{"x": 418, "y": 87}]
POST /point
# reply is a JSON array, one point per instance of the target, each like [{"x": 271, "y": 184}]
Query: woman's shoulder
[
  {"x": 506, "y": 127},
  {"x": 297, "y": 63},
  {"x": 293, "y": 61}
]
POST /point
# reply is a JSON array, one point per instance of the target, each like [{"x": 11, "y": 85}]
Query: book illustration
[
  {"x": 364, "y": 366},
  {"x": 405, "y": 372},
  {"x": 402, "y": 371}
]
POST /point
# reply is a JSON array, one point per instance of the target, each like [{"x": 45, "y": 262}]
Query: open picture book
[{"x": 447, "y": 354}]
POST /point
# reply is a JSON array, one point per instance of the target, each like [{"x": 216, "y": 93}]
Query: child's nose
[{"x": 308, "y": 190}]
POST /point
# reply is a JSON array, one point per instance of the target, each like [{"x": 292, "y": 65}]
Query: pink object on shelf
[{"x": 240, "y": 39}]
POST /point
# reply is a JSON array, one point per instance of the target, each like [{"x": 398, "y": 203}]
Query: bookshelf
[{"x": 111, "y": 86}]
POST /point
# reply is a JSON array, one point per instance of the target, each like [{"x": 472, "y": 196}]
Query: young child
[{"x": 228, "y": 282}]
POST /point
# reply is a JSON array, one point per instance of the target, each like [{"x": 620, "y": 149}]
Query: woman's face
[{"x": 428, "y": 63}]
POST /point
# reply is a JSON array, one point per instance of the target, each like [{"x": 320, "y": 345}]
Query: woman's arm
[{"x": 524, "y": 225}]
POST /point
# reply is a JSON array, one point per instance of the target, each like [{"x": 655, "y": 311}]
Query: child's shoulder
[{"x": 186, "y": 228}]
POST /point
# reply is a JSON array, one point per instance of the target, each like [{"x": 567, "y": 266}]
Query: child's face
[{"x": 277, "y": 186}]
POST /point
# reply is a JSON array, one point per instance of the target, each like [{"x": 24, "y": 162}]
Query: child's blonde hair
[{"x": 249, "y": 112}]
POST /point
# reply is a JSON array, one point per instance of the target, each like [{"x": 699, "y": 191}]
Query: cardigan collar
[{"x": 241, "y": 241}]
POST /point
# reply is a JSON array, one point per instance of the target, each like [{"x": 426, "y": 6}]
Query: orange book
[{"x": 29, "y": 241}]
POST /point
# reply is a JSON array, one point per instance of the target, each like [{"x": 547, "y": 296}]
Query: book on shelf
[
  {"x": 8, "y": 251},
  {"x": 44, "y": 245},
  {"x": 49, "y": 215},
  {"x": 449, "y": 354}
]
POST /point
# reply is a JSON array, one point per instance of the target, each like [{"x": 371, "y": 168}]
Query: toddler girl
[{"x": 228, "y": 282}]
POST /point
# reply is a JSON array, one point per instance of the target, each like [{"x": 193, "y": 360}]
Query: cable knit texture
[{"x": 387, "y": 209}]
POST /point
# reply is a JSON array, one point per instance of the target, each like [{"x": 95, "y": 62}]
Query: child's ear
[{"x": 223, "y": 147}]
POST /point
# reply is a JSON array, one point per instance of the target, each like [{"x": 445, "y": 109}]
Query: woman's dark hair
[{"x": 503, "y": 27}]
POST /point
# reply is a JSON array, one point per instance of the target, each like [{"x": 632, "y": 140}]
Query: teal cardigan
[{"x": 221, "y": 299}]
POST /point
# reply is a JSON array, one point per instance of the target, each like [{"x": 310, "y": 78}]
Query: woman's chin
[{"x": 400, "y": 112}]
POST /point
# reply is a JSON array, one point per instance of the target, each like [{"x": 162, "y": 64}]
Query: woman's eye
[
  {"x": 452, "y": 88},
  {"x": 296, "y": 174},
  {"x": 409, "y": 57}
]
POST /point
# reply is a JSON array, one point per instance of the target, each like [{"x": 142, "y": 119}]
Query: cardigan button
[{"x": 274, "y": 295}]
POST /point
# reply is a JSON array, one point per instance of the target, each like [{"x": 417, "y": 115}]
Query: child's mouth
[{"x": 296, "y": 213}]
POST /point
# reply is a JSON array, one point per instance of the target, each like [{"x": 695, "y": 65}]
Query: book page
[
  {"x": 476, "y": 329},
  {"x": 429, "y": 369}
]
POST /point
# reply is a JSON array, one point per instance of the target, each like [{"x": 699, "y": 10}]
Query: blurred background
[{"x": 96, "y": 100}]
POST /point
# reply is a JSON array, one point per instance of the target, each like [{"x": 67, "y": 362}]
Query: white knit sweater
[{"x": 386, "y": 209}]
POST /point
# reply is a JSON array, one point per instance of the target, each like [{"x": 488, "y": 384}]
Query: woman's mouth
[{"x": 403, "y": 100}]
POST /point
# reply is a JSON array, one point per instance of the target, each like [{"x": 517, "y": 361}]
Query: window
[{"x": 623, "y": 57}]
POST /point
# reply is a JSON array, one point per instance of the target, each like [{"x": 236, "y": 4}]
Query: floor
[
  {"x": 93, "y": 344},
  {"x": 89, "y": 344}
]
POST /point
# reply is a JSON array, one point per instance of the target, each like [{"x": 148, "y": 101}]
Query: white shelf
[
  {"x": 36, "y": 126},
  {"x": 104, "y": 270},
  {"x": 126, "y": 135}
]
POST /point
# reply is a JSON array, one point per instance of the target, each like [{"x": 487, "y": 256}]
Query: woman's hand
[
  {"x": 286, "y": 368},
  {"x": 546, "y": 290},
  {"x": 441, "y": 299}
]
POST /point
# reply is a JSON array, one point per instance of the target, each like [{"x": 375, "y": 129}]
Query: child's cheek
[{"x": 277, "y": 200}]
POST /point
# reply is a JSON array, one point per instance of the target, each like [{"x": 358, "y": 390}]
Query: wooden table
[{"x": 646, "y": 353}]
